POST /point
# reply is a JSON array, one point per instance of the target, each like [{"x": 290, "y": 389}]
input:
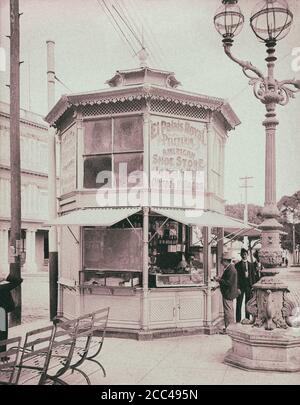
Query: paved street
[
  {"x": 35, "y": 297},
  {"x": 188, "y": 360},
  {"x": 291, "y": 276},
  {"x": 179, "y": 360}
]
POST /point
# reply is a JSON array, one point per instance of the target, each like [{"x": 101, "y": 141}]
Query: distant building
[{"x": 34, "y": 167}]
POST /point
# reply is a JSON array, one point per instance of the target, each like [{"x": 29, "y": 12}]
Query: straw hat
[{"x": 230, "y": 255}]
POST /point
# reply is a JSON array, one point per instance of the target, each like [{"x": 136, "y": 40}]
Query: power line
[
  {"x": 111, "y": 20},
  {"x": 135, "y": 34},
  {"x": 149, "y": 32},
  {"x": 116, "y": 26},
  {"x": 123, "y": 33},
  {"x": 156, "y": 44},
  {"x": 128, "y": 26},
  {"x": 246, "y": 186},
  {"x": 138, "y": 17},
  {"x": 132, "y": 23},
  {"x": 59, "y": 81}
]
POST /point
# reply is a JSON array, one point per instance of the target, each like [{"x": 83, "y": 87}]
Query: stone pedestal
[
  {"x": 269, "y": 305},
  {"x": 259, "y": 349},
  {"x": 271, "y": 342},
  {"x": 270, "y": 254}
]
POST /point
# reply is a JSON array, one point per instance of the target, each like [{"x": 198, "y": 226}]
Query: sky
[{"x": 180, "y": 37}]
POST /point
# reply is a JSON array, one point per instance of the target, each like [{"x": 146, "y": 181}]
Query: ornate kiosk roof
[{"x": 143, "y": 83}]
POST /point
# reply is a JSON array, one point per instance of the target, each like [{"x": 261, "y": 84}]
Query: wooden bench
[{"x": 49, "y": 353}]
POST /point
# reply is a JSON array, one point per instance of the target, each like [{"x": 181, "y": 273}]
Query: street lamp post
[
  {"x": 270, "y": 308},
  {"x": 277, "y": 18}
]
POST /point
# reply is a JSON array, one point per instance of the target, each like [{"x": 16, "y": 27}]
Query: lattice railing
[
  {"x": 172, "y": 108},
  {"x": 112, "y": 108}
]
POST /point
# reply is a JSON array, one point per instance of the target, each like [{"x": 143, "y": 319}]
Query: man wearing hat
[
  {"x": 228, "y": 286},
  {"x": 6, "y": 305},
  {"x": 246, "y": 279}
]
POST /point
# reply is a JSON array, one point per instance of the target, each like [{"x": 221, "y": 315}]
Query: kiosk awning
[
  {"x": 201, "y": 218},
  {"x": 94, "y": 217},
  {"x": 254, "y": 232}
]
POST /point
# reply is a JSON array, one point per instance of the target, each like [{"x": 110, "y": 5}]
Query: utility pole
[
  {"x": 294, "y": 242},
  {"x": 295, "y": 221},
  {"x": 246, "y": 186},
  {"x": 15, "y": 166},
  {"x": 52, "y": 202}
]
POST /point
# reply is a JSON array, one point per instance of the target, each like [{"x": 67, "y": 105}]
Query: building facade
[{"x": 34, "y": 189}]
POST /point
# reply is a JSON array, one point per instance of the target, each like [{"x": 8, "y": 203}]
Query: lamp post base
[
  {"x": 270, "y": 305},
  {"x": 271, "y": 253},
  {"x": 259, "y": 349}
]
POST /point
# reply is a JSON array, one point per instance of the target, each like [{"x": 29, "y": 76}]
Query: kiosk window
[
  {"x": 132, "y": 162},
  {"x": 112, "y": 249},
  {"x": 107, "y": 144},
  {"x": 98, "y": 137},
  {"x": 128, "y": 134},
  {"x": 93, "y": 167}
]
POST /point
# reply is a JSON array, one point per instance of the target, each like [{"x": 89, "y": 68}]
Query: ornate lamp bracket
[
  {"x": 266, "y": 89},
  {"x": 258, "y": 80},
  {"x": 245, "y": 65},
  {"x": 287, "y": 90}
]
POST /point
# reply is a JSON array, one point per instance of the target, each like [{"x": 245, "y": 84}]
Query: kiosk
[{"x": 129, "y": 236}]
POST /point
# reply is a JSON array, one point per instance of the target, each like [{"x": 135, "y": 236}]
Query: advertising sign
[
  {"x": 177, "y": 144},
  {"x": 178, "y": 148},
  {"x": 68, "y": 161}
]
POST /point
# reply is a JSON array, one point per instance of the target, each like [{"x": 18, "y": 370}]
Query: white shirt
[{"x": 246, "y": 265}]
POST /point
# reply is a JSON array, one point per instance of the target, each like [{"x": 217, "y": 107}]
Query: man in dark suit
[
  {"x": 229, "y": 289},
  {"x": 6, "y": 305},
  {"x": 245, "y": 278}
]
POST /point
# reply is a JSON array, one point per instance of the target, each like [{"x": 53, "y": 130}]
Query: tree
[
  {"x": 237, "y": 211},
  {"x": 289, "y": 207},
  {"x": 254, "y": 217}
]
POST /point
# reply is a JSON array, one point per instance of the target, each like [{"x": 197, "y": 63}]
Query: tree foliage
[
  {"x": 289, "y": 207},
  {"x": 237, "y": 211}
]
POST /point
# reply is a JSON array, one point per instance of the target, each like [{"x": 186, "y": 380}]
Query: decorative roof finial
[{"x": 143, "y": 56}]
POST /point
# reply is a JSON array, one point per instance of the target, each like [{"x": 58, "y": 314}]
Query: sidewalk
[
  {"x": 189, "y": 360},
  {"x": 35, "y": 297},
  {"x": 291, "y": 275},
  {"x": 185, "y": 360}
]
